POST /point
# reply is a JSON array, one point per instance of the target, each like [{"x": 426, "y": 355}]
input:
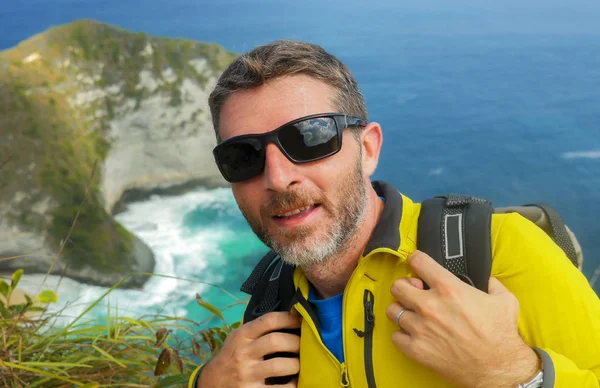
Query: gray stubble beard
[{"x": 352, "y": 209}]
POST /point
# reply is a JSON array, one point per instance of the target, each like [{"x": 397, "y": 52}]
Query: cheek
[
  {"x": 246, "y": 198},
  {"x": 337, "y": 170},
  {"x": 238, "y": 193}
]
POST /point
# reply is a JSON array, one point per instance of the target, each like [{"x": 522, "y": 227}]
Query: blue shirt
[{"x": 329, "y": 312}]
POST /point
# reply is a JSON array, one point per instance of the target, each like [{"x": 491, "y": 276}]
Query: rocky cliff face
[{"x": 91, "y": 116}]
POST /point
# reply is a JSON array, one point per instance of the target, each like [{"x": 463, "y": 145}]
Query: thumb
[{"x": 495, "y": 287}]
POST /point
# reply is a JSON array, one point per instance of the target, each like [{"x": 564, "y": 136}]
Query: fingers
[
  {"x": 430, "y": 271},
  {"x": 405, "y": 321},
  {"x": 241, "y": 361},
  {"x": 276, "y": 367},
  {"x": 275, "y": 342},
  {"x": 417, "y": 283},
  {"x": 403, "y": 341},
  {"x": 407, "y": 292},
  {"x": 403, "y": 337},
  {"x": 271, "y": 322}
]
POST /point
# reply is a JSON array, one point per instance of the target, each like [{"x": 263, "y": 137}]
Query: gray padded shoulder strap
[{"x": 550, "y": 221}]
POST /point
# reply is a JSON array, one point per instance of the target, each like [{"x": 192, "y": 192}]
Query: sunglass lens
[
  {"x": 241, "y": 160},
  {"x": 310, "y": 139}
]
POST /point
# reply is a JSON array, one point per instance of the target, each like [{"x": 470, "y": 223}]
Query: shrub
[{"x": 117, "y": 351}]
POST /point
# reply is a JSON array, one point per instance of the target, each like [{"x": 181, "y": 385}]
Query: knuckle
[
  {"x": 390, "y": 310},
  {"x": 294, "y": 365},
  {"x": 235, "y": 334},
  {"x": 403, "y": 345},
  {"x": 415, "y": 348},
  {"x": 422, "y": 331},
  {"x": 239, "y": 355},
  {"x": 242, "y": 374},
  {"x": 272, "y": 340},
  {"x": 396, "y": 340},
  {"x": 429, "y": 308},
  {"x": 416, "y": 259},
  {"x": 276, "y": 368},
  {"x": 449, "y": 292},
  {"x": 514, "y": 302},
  {"x": 414, "y": 282},
  {"x": 269, "y": 321},
  {"x": 396, "y": 287}
]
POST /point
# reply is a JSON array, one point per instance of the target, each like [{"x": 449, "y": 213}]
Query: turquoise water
[{"x": 497, "y": 100}]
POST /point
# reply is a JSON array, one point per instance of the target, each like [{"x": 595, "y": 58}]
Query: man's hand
[
  {"x": 241, "y": 363},
  {"x": 468, "y": 337}
]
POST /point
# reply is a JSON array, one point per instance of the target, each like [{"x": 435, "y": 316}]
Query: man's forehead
[{"x": 273, "y": 104}]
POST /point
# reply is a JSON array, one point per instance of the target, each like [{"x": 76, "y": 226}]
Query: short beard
[{"x": 303, "y": 246}]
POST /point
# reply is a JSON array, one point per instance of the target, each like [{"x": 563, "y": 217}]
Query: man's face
[{"x": 305, "y": 212}]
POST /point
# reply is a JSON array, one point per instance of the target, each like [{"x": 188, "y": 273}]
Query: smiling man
[{"x": 295, "y": 143}]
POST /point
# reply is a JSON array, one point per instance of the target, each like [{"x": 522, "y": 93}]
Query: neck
[{"x": 330, "y": 277}]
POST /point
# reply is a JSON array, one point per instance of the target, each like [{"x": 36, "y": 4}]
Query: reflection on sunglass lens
[
  {"x": 310, "y": 139},
  {"x": 241, "y": 159}
]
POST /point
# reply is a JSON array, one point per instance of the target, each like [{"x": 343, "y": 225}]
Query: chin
[{"x": 306, "y": 253}]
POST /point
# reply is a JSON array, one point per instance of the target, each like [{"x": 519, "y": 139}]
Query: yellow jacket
[{"x": 560, "y": 313}]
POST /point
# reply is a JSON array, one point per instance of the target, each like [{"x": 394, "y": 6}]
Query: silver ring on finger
[{"x": 402, "y": 311}]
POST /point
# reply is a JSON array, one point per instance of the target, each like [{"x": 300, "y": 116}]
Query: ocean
[{"x": 496, "y": 100}]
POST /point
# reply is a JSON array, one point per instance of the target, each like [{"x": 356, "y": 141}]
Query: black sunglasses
[{"x": 303, "y": 140}]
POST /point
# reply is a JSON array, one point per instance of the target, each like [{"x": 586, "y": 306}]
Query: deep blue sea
[{"x": 496, "y": 100}]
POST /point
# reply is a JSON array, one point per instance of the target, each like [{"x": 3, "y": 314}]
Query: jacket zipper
[
  {"x": 369, "y": 302},
  {"x": 342, "y": 367},
  {"x": 344, "y": 377}
]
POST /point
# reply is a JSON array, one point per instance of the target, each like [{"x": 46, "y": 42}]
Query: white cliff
[{"x": 89, "y": 93}]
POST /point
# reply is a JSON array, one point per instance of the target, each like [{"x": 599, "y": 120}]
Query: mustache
[{"x": 289, "y": 200}]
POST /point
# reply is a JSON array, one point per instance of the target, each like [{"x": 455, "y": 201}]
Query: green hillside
[{"x": 49, "y": 144}]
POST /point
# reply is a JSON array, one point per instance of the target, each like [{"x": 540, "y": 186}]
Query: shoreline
[{"x": 141, "y": 194}]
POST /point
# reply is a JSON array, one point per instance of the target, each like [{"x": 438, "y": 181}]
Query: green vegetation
[
  {"x": 53, "y": 144},
  {"x": 64, "y": 158},
  {"x": 118, "y": 352},
  {"x": 124, "y": 55}
]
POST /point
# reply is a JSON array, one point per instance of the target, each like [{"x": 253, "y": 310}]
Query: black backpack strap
[
  {"x": 271, "y": 286},
  {"x": 251, "y": 283},
  {"x": 559, "y": 231},
  {"x": 455, "y": 231}
]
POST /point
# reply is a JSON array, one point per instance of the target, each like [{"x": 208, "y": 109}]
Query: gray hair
[{"x": 284, "y": 58}]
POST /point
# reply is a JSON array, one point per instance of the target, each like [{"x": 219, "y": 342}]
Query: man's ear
[{"x": 371, "y": 138}]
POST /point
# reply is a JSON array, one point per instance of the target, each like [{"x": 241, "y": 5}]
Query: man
[{"x": 301, "y": 177}]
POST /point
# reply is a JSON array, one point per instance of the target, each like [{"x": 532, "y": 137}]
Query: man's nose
[{"x": 280, "y": 173}]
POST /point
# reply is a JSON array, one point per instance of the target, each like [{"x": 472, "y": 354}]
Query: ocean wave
[
  {"x": 159, "y": 222},
  {"x": 582, "y": 155},
  {"x": 436, "y": 171},
  {"x": 402, "y": 99}
]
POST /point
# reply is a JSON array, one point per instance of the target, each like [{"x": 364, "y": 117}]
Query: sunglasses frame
[{"x": 342, "y": 121}]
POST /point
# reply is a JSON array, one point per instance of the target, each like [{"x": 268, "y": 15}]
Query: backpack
[{"x": 454, "y": 230}]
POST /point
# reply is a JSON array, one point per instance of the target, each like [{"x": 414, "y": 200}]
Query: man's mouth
[{"x": 297, "y": 212}]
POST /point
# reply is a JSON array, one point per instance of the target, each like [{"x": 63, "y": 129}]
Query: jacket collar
[{"x": 386, "y": 233}]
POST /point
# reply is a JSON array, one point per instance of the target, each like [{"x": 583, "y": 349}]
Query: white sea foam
[
  {"x": 436, "y": 171},
  {"x": 402, "y": 99},
  {"x": 595, "y": 154},
  {"x": 178, "y": 253}
]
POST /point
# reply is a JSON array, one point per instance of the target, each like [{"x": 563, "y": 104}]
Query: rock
[
  {"x": 105, "y": 116},
  {"x": 31, "y": 58}
]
